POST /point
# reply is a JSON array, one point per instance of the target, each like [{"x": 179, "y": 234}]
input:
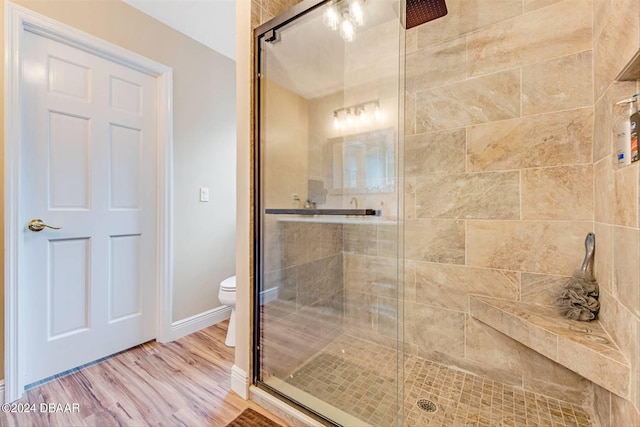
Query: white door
[{"x": 88, "y": 165}]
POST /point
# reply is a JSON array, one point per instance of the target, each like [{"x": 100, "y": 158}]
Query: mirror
[{"x": 363, "y": 163}]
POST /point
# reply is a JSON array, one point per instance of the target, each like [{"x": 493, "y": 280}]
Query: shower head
[{"x": 421, "y": 11}]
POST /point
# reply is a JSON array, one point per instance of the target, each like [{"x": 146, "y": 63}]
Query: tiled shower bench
[{"x": 583, "y": 347}]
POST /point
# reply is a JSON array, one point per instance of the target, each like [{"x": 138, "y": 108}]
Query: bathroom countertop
[{"x": 338, "y": 219}]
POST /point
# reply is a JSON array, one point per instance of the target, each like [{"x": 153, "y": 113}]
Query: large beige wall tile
[
  {"x": 388, "y": 240},
  {"x": 435, "y": 153},
  {"x": 603, "y": 256},
  {"x": 626, "y": 267},
  {"x": 623, "y": 412},
  {"x": 255, "y": 14},
  {"x": 409, "y": 114},
  {"x": 564, "y": 192},
  {"x": 435, "y": 240},
  {"x": 273, "y": 246},
  {"x": 360, "y": 239},
  {"x": 387, "y": 314},
  {"x": 604, "y": 191},
  {"x": 533, "y": 246},
  {"x": 276, "y": 7},
  {"x": 436, "y": 65},
  {"x": 479, "y": 100},
  {"x": 465, "y": 16},
  {"x": 602, "y": 405},
  {"x": 618, "y": 42},
  {"x": 601, "y": 11},
  {"x": 626, "y": 196},
  {"x": 623, "y": 328},
  {"x": 530, "y": 5},
  {"x": 331, "y": 239},
  {"x": 411, "y": 40},
  {"x": 558, "y": 84},
  {"x": 493, "y": 195},
  {"x": 435, "y": 328},
  {"x": 286, "y": 281},
  {"x": 541, "y": 289},
  {"x": 566, "y": 29},
  {"x": 358, "y": 310},
  {"x": 448, "y": 286},
  {"x": 554, "y": 139},
  {"x": 319, "y": 279},
  {"x": 410, "y": 197},
  {"x": 373, "y": 275}
]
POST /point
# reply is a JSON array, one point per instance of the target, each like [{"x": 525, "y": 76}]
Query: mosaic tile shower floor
[{"x": 366, "y": 388}]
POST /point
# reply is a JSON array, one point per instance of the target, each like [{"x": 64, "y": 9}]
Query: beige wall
[
  {"x": 204, "y": 140},
  {"x": 286, "y": 154}
]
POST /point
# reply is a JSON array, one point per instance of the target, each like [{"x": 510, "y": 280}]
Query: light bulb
[
  {"x": 331, "y": 18},
  {"x": 336, "y": 121},
  {"x": 377, "y": 113},
  {"x": 362, "y": 115},
  {"x": 356, "y": 11},
  {"x": 347, "y": 29}
]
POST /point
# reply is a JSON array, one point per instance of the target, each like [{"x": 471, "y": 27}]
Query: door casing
[{"x": 17, "y": 21}]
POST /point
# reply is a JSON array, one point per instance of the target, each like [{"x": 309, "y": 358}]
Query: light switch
[{"x": 204, "y": 194}]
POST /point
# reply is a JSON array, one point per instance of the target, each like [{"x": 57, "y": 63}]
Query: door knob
[{"x": 39, "y": 225}]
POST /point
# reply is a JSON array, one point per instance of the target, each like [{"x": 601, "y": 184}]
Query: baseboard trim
[
  {"x": 239, "y": 382},
  {"x": 200, "y": 321}
]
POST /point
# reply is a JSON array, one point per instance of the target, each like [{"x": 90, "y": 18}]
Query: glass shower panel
[{"x": 329, "y": 194}]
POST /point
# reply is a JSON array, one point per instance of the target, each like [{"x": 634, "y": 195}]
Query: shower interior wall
[{"x": 509, "y": 163}]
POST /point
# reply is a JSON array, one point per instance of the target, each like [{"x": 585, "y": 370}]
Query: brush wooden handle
[{"x": 590, "y": 247}]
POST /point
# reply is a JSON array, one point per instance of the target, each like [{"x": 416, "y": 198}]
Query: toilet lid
[{"x": 229, "y": 284}]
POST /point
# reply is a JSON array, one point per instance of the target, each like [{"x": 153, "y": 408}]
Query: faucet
[{"x": 354, "y": 201}]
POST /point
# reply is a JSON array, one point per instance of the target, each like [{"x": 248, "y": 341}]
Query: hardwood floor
[{"x": 183, "y": 383}]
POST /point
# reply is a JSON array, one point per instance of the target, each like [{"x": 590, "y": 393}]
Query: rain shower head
[{"x": 421, "y": 11}]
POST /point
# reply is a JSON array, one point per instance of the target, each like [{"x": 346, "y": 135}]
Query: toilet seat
[{"x": 228, "y": 284}]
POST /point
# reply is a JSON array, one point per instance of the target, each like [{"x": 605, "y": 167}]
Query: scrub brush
[{"x": 579, "y": 298}]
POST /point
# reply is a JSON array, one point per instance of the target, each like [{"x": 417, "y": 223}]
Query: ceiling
[{"x": 210, "y": 22}]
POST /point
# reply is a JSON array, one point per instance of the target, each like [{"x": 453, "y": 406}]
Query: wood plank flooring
[{"x": 182, "y": 383}]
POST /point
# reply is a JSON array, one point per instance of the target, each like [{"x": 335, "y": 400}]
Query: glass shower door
[{"x": 328, "y": 277}]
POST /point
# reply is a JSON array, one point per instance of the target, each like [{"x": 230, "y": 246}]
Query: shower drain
[{"x": 427, "y": 405}]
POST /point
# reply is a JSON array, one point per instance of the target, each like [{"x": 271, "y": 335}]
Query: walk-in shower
[{"x": 408, "y": 220}]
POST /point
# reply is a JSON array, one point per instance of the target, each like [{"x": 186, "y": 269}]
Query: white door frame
[{"x": 17, "y": 20}]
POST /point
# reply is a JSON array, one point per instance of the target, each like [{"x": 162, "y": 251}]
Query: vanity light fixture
[
  {"x": 357, "y": 114},
  {"x": 345, "y": 16}
]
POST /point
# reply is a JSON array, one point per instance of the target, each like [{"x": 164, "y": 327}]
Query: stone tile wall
[{"x": 499, "y": 124}]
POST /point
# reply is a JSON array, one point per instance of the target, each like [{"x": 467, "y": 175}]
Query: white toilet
[{"x": 227, "y": 296}]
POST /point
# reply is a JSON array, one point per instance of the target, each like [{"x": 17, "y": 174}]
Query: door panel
[
  {"x": 124, "y": 286},
  {"x": 125, "y": 155},
  {"x": 88, "y": 161},
  {"x": 68, "y": 287},
  {"x": 69, "y": 162}
]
